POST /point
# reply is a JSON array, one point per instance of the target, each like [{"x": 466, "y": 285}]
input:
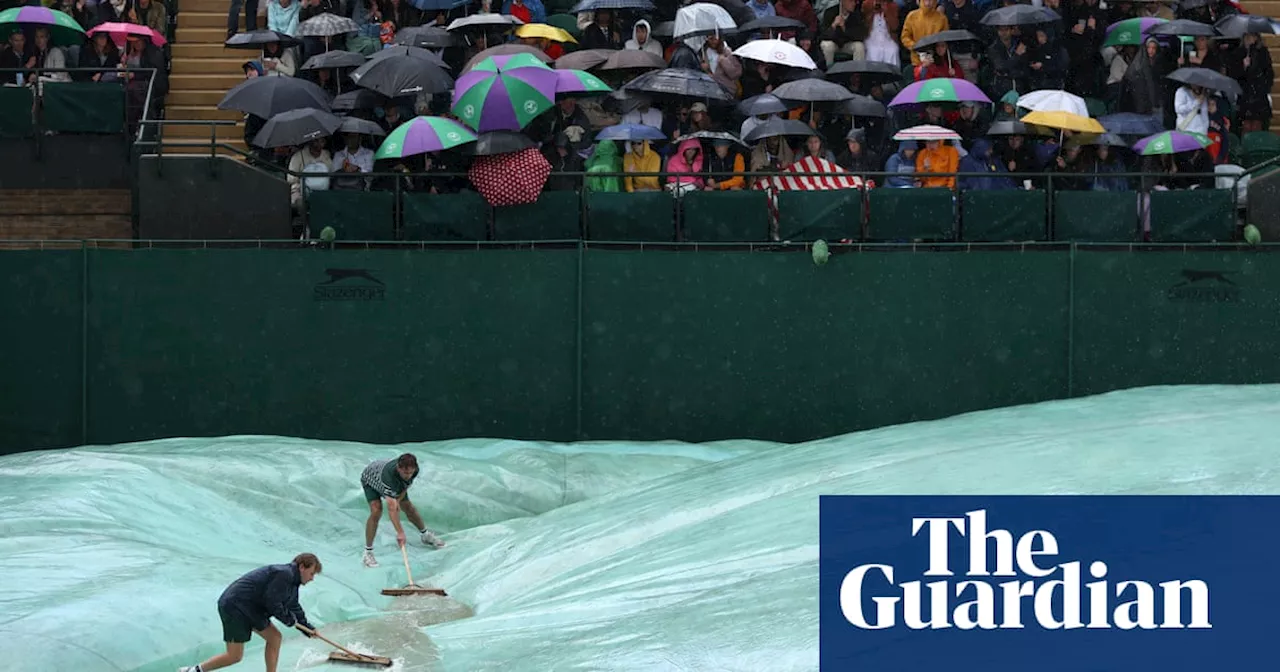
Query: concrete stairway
[{"x": 202, "y": 73}]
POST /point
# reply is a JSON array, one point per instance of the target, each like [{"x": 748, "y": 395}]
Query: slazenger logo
[
  {"x": 973, "y": 603},
  {"x": 350, "y": 284},
  {"x": 1196, "y": 286}
]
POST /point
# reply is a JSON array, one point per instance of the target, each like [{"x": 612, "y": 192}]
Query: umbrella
[
  {"x": 495, "y": 96},
  {"x": 703, "y": 18},
  {"x": 268, "y": 96},
  {"x": 1019, "y": 15},
  {"x": 813, "y": 91},
  {"x": 360, "y": 99},
  {"x": 765, "y": 103},
  {"x": 774, "y": 23},
  {"x": 510, "y": 179},
  {"x": 1053, "y": 100},
  {"x": 506, "y": 50},
  {"x": 1064, "y": 121},
  {"x": 1171, "y": 142},
  {"x": 630, "y": 133},
  {"x": 1097, "y": 140},
  {"x": 411, "y": 52},
  {"x": 425, "y": 37},
  {"x": 861, "y": 106},
  {"x": 64, "y": 31},
  {"x": 327, "y": 25},
  {"x": 254, "y": 39},
  {"x": 777, "y": 52},
  {"x": 1183, "y": 27},
  {"x": 296, "y": 127},
  {"x": 1207, "y": 78},
  {"x": 434, "y": 6},
  {"x": 1009, "y": 127},
  {"x": 578, "y": 83},
  {"x": 939, "y": 90},
  {"x": 634, "y": 59},
  {"x": 401, "y": 75},
  {"x": 498, "y": 142},
  {"x": 585, "y": 59},
  {"x": 543, "y": 31},
  {"x": 421, "y": 135},
  {"x": 593, "y": 5},
  {"x": 1130, "y": 31},
  {"x": 713, "y": 136},
  {"x": 361, "y": 126},
  {"x": 870, "y": 73},
  {"x": 1129, "y": 123},
  {"x": 926, "y": 132},
  {"x": 1237, "y": 25},
  {"x": 777, "y": 126},
  {"x": 682, "y": 83},
  {"x": 120, "y": 33},
  {"x": 737, "y": 9},
  {"x": 334, "y": 59},
  {"x": 483, "y": 22},
  {"x": 945, "y": 36},
  {"x": 666, "y": 29}
]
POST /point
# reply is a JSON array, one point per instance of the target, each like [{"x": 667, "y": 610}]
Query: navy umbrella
[
  {"x": 1128, "y": 123},
  {"x": 630, "y": 133}
]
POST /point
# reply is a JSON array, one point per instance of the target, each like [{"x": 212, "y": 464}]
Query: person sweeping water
[
  {"x": 389, "y": 480},
  {"x": 251, "y": 601}
]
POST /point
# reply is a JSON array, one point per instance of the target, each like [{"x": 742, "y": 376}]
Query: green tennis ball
[
  {"x": 821, "y": 253},
  {"x": 327, "y": 234},
  {"x": 1252, "y": 235}
]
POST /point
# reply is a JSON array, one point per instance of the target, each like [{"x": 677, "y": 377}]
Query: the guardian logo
[{"x": 1014, "y": 583}]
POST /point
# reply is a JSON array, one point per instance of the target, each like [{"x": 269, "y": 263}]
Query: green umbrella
[
  {"x": 421, "y": 135},
  {"x": 509, "y": 62},
  {"x": 1171, "y": 142},
  {"x": 1131, "y": 32},
  {"x": 504, "y": 93},
  {"x": 64, "y": 31}
]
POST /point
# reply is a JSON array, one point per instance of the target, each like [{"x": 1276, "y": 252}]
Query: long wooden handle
[
  {"x": 405, "y": 554},
  {"x": 332, "y": 643}
]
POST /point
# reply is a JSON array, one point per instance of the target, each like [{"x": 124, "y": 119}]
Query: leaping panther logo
[{"x": 1190, "y": 276}]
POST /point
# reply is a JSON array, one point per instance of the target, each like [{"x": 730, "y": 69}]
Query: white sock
[{"x": 367, "y": 549}]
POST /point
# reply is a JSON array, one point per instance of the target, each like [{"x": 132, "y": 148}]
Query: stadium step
[
  {"x": 188, "y": 97},
  {"x": 201, "y": 132},
  {"x": 199, "y": 18},
  {"x": 211, "y": 6},
  {"x": 188, "y": 51},
  {"x": 219, "y": 82},
  {"x": 200, "y": 112},
  {"x": 211, "y": 66},
  {"x": 65, "y": 214}
]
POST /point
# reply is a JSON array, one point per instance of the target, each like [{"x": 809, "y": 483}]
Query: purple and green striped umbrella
[
  {"x": 64, "y": 31},
  {"x": 421, "y": 135},
  {"x": 1131, "y": 32},
  {"x": 940, "y": 90},
  {"x": 504, "y": 93},
  {"x": 1171, "y": 142},
  {"x": 577, "y": 82}
]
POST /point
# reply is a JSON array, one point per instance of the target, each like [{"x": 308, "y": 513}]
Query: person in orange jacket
[
  {"x": 921, "y": 23},
  {"x": 938, "y": 157}
]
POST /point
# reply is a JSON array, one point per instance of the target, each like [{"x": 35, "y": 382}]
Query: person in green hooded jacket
[{"x": 604, "y": 160}]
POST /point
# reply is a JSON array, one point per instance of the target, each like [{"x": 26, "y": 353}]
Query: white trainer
[
  {"x": 192, "y": 668},
  {"x": 369, "y": 560},
  {"x": 430, "y": 539}
]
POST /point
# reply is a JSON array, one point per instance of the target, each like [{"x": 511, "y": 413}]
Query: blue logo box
[{"x": 1060, "y": 583}]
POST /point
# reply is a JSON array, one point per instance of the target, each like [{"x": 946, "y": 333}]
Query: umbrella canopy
[
  {"x": 634, "y": 59},
  {"x": 400, "y": 76},
  {"x": 510, "y": 179},
  {"x": 1237, "y": 25},
  {"x": 1019, "y": 15},
  {"x": 268, "y": 96},
  {"x": 1009, "y": 127},
  {"x": 947, "y": 36},
  {"x": 1185, "y": 28},
  {"x": 425, "y": 37},
  {"x": 861, "y": 106},
  {"x": 579, "y": 83},
  {"x": 64, "y": 31},
  {"x": 1053, "y": 100},
  {"x": 774, "y": 23},
  {"x": 254, "y": 39},
  {"x": 738, "y": 10},
  {"x": 434, "y": 6},
  {"x": 1209, "y": 79},
  {"x": 1171, "y": 142},
  {"x": 1129, "y": 123},
  {"x": 498, "y": 142},
  {"x": 630, "y": 132},
  {"x": 566, "y": 22},
  {"x": 410, "y": 52},
  {"x": 421, "y": 135},
  {"x": 594, "y": 5},
  {"x": 926, "y": 132},
  {"x": 495, "y": 97},
  {"x": 506, "y": 50},
  {"x": 939, "y": 90},
  {"x": 1064, "y": 121},
  {"x": 869, "y": 73},
  {"x": 361, "y": 126},
  {"x": 546, "y": 32},
  {"x": 585, "y": 59},
  {"x": 777, "y": 127},
  {"x": 813, "y": 91},
  {"x": 296, "y": 127},
  {"x": 334, "y": 59},
  {"x": 359, "y": 99},
  {"x": 777, "y": 52},
  {"x": 703, "y": 18},
  {"x": 327, "y": 25},
  {"x": 680, "y": 83},
  {"x": 120, "y": 33},
  {"x": 713, "y": 136},
  {"x": 1097, "y": 140},
  {"x": 765, "y": 103},
  {"x": 666, "y": 30},
  {"x": 1132, "y": 32},
  {"x": 483, "y": 22}
]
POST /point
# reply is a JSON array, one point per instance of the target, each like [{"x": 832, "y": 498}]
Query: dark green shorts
[
  {"x": 371, "y": 495},
  {"x": 235, "y": 627}
]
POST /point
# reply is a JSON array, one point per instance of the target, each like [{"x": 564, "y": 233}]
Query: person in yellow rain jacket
[
  {"x": 642, "y": 159},
  {"x": 921, "y": 23},
  {"x": 938, "y": 157}
]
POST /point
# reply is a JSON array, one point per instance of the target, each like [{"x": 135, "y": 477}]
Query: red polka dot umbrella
[{"x": 510, "y": 179}]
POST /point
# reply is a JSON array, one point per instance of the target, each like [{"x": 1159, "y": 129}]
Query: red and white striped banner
[{"x": 792, "y": 178}]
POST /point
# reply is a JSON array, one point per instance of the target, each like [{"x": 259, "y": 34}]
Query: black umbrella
[
  {"x": 1014, "y": 127},
  {"x": 634, "y": 59},
  {"x": 945, "y": 36},
  {"x": 402, "y": 75},
  {"x": 666, "y": 29},
  {"x": 361, "y": 126},
  {"x": 738, "y": 10},
  {"x": 268, "y": 96},
  {"x": 1207, "y": 78},
  {"x": 765, "y": 103},
  {"x": 296, "y": 127},
  {"x": 861, "y": 106},
  {"x": 585, "y": 59},
  {"x": 410, "y": 52},
  {"x": 1237, "y": 25},
  {"x": 1019, "y": 15},
  {"x": 1097, "y": 140},
  {"x": 869, "y": 73},
  {"x": 360, "y": 99},
  {"x": 498, "y": 142},
  {"x": 254, "y": 39},
  {"x": 714, "y": 135},
  {"x": 775, "y": 23},
  {"x": 596, "y": 5},
  {"x": 813, "y": 91},
  {"x": 334, "y": 59},
  {"x": 1184, "y": 27},
  {"x": 1129, "y": 123},
  {"x": 425, "y": 37},
  {"x": 681, "y": 83},
  {"x": 777, "y": 126}
]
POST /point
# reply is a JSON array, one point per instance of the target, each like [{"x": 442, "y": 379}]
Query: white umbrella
[
  {"x": 776, "y": 51},
  {"x": 481, "y": 20},
  {"x": 926, "y": 132},
  {"x": 1051, "y": 100},
  {"x": 701, "y": 18}
]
